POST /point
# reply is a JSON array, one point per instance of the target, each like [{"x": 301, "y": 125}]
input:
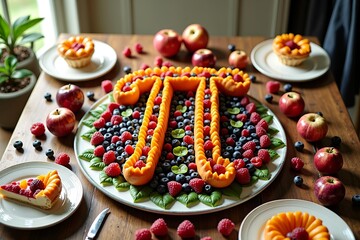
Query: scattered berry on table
[
  {"x": 37, "y": 129},
  {"x": 50, "y": 153},
  {"x": 113, "y": 169},
  {"x": 144, "y": 66},
  {"x": 62, "y": 159},
  {"x": 231, "y": 47},
  {"x": 335, "y": 141},
  {"x": 18, "y": 145},
  {"x": 296, "y": 163},
  {"x": 127, "y": 52},
  {"x": 186, "y": 229},
  {"x": 139, "y": 48},
  {"x": 158, "y": 61},
  {"x": 320, "y": 114},
  {"x": 299, "y": 146},
  {"x": 127, "y": 69},
  {"x": 269, "y": 98},
  {"x": 356, "y": 200},
  {"x": 159, "y": 227},
  {"x": 167, "y": 64},
  {"x": 298, "y": 181},
  {"x": 272, "y": 87},
  {"x": 288, "y": 87},
  {"x": 298, "y": 233},
  {"x": 90, "y": 95},
  {"x": 47, "y": 96},
  {"x": 143, "y": 234},
  {"x": 36, "y": 144},
  {"x": 107, "y": 86},
  {"x": 225, "y": 226},
  {"x": 252, "y": 78}
]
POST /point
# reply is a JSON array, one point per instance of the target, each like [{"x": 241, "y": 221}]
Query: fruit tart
[
  {"x": 42, "y": 191},
  {"x": 77, "y": 51},
  {"x": 295, "y": 225},
  {"x": 291, "y": 49}
]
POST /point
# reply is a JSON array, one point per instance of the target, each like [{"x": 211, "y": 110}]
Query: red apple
[
  {"x": 329, "y": 190},
  {"x": 167, "y": 42},
  {"x": 328, "y": 160},
  {"x": 60, "y": 122},
  {"x": 70, "y": 96},
  {"x": 195, "y": 37},
  {"x": 291, "y": 104},
  {"x": 203, "y": 58},
  {"x": 312, "y": 127},
  {"x": 238, "y": 59}
]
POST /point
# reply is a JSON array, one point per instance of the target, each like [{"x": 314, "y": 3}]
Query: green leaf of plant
[
  {"x": 234, "y": 110},
  {"x": 87, "y": 155},
  {"x": 3, "y": 79},
  {"x": 120, "y": 183},
  {"x": 178, "y": 133},
  {"x": 97, "y": 164},
  {"x": 236, "y": 124},
  {"x": 179, "y": 169},
  {"x": 105, "y": 180},
  {"x": 22, "y": 27},
  {"x": 272, "y": 131},
  {"x": 276, "y": 143},
  {"x": 163, "y": 201},
  {"x": 140, "y": 193},
  {"x": 181, "y": 108},
  {"x": 87, "y": 136},
  {"x": 273, "y": 154},
  {"x": 262, "y": 173},
  {"x": 4, "y": 30},
  {"x": 211, "y": 200},
  {"x": 127, "y": 112},
  {"x": 20, "y": 20},
  {"x": 188, "y": 200},
  {"x": 21, "y": 73},
  {"x": 32, "y": 37},
  {"x": 234, "y": 190},
  {"x": 180, "y": 151},
  {"x": 10, "y": 64}
]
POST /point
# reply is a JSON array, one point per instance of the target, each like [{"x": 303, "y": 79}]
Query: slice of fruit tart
[{"x": 42, "y": 191}]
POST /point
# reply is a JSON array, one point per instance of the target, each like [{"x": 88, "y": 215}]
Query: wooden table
[{"x": 320, "y": 95}]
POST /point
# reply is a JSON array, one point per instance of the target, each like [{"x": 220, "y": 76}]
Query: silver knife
[{"x": 96, "y": 225}]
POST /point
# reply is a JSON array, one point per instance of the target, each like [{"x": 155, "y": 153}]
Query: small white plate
[
  {"x": 253, "y": 225},
  {"x": 102, "y": 61},
  {"x": 265, "y": 61},
  {"x": 23, "y": 216}
]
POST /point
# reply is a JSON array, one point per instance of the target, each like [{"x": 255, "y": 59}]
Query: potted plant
[
  {"x": 13, "y": 38},
  {"x": 16, "y": 86}
]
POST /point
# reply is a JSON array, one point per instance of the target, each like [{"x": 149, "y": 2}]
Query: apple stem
[
  {"x": 330, "y": 150},
  {"x": 57, "y": 112}
]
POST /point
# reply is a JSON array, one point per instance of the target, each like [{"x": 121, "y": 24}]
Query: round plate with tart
[
  {"x": 81, "y": 145},
  {"x": 102, "y": 61},
  {"x": 252, "y": 227},
  {"x": 265, "y": 61},
  {"x": 24, "y": 216}
]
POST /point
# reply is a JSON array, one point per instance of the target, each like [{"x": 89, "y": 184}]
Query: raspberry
[
  {"x": 260, "y": 131},
  {"x": 241, "y": 117},
  {"x": 251, "y": 145},
  {"x": 264, "y": 155},
  {"x": 126, "y": 88},
  {"x": 186, "y": 229},
  {"x": 145, "y": 150},
  {"x": 207, "y": 91},
  {"x": 37, "y": 129},
  {"x": 188, "y": 103},
  {"x": 197, "y": 184},
  {"x": 207, "y": 116},
  {"x": 248, "y": 154},
  {"x": 97, "y": 138},
  {"x": 298, "y": 233},
  {"x": 244, "y": 101},
  {"x": 139, "y": 48},
  {"x": 158, "y": 61},
  {"x": 220, "y": 169},
  {"x": 255, "y": 117},
  {"x": 126, "y": 136},
  {"x": 115, "y": 139},
  {"x": 245, "y": 133},
  {"x": 106, "y": 115},
  {"x": 230, "y": 141},
  {"x": 127, "y": 52},
  {"x": 296, "y": 163},
  {"x": 208, "y": 145},
  {"x": 100, "y": 123},
  {"x": 109, "y": 157},
  {"x": 188, "y": 139},
  {"x": 36, "y": 184},
  {"x": 251, "y": 107},
  {"x": 207, "y": 130},
  {"x": 207, "y": 103},
  {"x": 158, "y": 100},
  {"x": 174, "y": 188},
  {"x": 190, "y": 94},
  {"x": 177, "y": 113},
  {"x": 159, "y": 227},
  {"x": 239, "y": 163},
  {"x": 188, "y": 128},
  {"x": 168, "y": 147},
  {"x": 139, "y": 164},
  {"x": 144, "y": 66},
  {"x": 272, "y": 86},
  {"x": 170, "y": 156},
  {"x": 238, "y": 78},
  {"x": 116, "y": 119},
  {"x": 112, "y": 106},
  {"x": 107, "y": 86},
  {"x": 256, "y": 161},
  {"x": 129, "y": 149},
  {"x": 265, "y": 141},
  {"x": 152, "y": 125},
  {"x": 224, "y": 119},
  {"x": 62, "y": 159},
  {"x": 243, "y": 176},
  {"x": 262, "y": 123},
  {"x": 99, "y": 151},
  {"x": 225, "y": 226},
  {"x": 154, "y": 118},
  {"x": 192, "y": 166},
  {"x": 173, "y": 124},
  {"x": 113, "y": 169},
  {"x": 143, "y": 234}
]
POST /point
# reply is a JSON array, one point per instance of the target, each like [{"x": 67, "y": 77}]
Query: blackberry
[{"x": 299, "y": 146}]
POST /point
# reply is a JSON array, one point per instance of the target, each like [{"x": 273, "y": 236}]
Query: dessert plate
[
  {"x": 253, "y": 224},
  {"x": 265, "y": 61},
  {"x": 23, "y": 216},
  {"x": 102, "y": 61},
  {"x": 80, "y": 145}
]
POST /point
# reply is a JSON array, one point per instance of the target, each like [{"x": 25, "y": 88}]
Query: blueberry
[
  {"x": 161, "y": 188},
  {"x": 18, "y": 145},
  {"x": 287, "y": 87},
  {"x": 127, "y": 69},
  {"x": 298, "y": 180},
  {"x": 356, "y": 200},
  {"x": 269, "y": 98},
  {"x": 319, "y": 113},
  {"x": 49, "y": 153},
  {"x": 299, "y": 146},
  {"x": 231, "y": 47},
  {"x": 186, "y": 187},
  {"x": 180, "y": 178},
  {"x": 154, "y": 183},
  {"x": 36, "y": 144},
  {"x": 208, "y": 188},
  {"x": 90, "y": 95},
  {"x": 335, "y": 141},
  {"x": 47, "y": 96},
  {"x": 252, "y": 78}
]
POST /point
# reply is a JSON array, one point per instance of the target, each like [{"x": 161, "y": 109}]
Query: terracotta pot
[{"x": 12, "y": 104}]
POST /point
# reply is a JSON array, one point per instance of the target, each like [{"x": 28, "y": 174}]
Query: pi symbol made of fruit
[{"x": 165, "y": 81}]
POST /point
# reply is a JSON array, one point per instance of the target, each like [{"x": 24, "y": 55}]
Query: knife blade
[{"x": 96, "y": 225}]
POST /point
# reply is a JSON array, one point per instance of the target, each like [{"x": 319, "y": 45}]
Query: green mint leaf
[
  {"x": 180, "y": 151},
  {"x": 179, "y": 169},
  {"x": 178, "y": 133},
  {"x": 127, "y": 112},
  {"x": 234, "y": 110},
  {"x": 236, "y": 124},
  {"x": 87, "y": 155},
  {"x": 188, "y": 200},
  {"x": 140, "y": 193},
  {"x": 97, "y": 164},
  {"x": 181, "y": 108},
  {"x": 211, "y": 200},
  {"x": 163, "y": 201}
]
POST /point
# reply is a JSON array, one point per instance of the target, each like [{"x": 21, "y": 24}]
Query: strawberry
[
  {"x": 186, "y": 229},
  {"x": 62, "y": 159},
  {"x": 197, "y": 184},
  {"x": 107, "y": 86},
  {"x": 207, "y": 116},
  {"x": 37, "y": 129},
  {"x": 225, "y": 226},
  {"x": 109, "y": 157},
  {"x": 174, "y": 188},
  {"x": 99, "y": 123},
  {"x": 97, "y": 138},
  {"x": 256, "y": 161},
  {"x": 251, "y": 107},
  {"x": 265, "y": 141},
  {"x": 143, "y": 234},
  {"x": 207, "y": 130},
  {"x": 220, "y": 169},
  {"x": 159, "y": 227},
  {"x": 264, "y": 155},
  {"x": 262, "y": 123},
  {"x": 296, "y": 163},
  {"x": 239, "y": 163},
  {"x": 99, "y": 151},
  {"x": 251, "y": 145},
  {"x": 139, "y": 164},
  {"x": 152, "y": 125},
  {"x": 207, "y": 103},
  {"x": 272, "y": 86},
  {"x": 260, "y": 131},
  {"x": 113, "y": 169},
  {"x": 158, "y": 100},
  {"x": 248, "y": 154},
  {"x": 243, "y": 176},
  {"x": 255, "y": 117}
]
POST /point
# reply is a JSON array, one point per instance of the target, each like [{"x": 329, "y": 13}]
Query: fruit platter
[{"x": 250, "y": 134}]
